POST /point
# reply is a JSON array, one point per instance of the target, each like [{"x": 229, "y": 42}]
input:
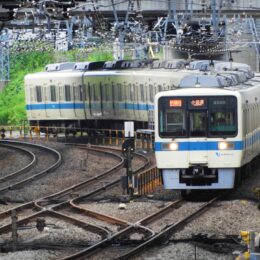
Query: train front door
[{"x": 198, "y": 145}]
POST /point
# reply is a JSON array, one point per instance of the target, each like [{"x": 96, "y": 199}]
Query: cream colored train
[
  {"x": 98, "y": 94},
  {"x": 104, "y": 95},
  {"x": 207, "y": 132}
]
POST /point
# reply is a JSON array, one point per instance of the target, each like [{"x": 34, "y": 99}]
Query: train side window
[
  {"x": 53, "y": 93},
  {"x": 108, "y": 91},
  {"x": 92, "y": 91},
  {"x": 105, "y": 92},
  {"x": 38, "y": 94},
  {"x": 151, "y": 87},
  {"x": 85, "y": 90},
  {"x": 135, "y": 92},
  {"x": 97, "y": 95},
  {"x": 131, "y": 97},
  {"x": 120, "y": 93},
  {"x": 67, "y": 93},
  {"x": 80, "y": 91},
  {"x": 244, "y": 121},
  {"x": 142, "y": 92}
]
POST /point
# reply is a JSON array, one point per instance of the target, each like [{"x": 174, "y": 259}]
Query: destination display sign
[{"x": 175, "y": 103}]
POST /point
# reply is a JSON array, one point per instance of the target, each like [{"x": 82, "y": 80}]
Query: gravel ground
[
  {"x": 18, "y": 159},
  {"x": 133, "y": 212},
  {"x": 236, "y": 213},
  {"x": 72, "y": 171}
]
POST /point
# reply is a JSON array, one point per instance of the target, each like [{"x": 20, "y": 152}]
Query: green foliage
[
  {"x": 100, "y": 56},
  {"x": 12, "y": 98}
]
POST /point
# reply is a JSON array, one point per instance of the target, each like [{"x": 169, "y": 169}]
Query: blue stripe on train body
[
  {"x": 199, "y": 146},
  {"x": 126, "y": 106}
]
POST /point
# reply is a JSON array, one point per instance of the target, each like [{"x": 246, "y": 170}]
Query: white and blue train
[
  {"x": 98, "y": 94},
  {"x": 104, "y": 95},
  {"x": 207, "y": 131}
]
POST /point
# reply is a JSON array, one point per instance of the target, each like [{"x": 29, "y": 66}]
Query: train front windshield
[{"x": 197, "y": 116}]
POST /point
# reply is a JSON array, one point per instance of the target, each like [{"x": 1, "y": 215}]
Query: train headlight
[
  {"x": 174, "y": 146},
  {"x": 170, "y": 146},
  {"x": 225, "y": 146}
]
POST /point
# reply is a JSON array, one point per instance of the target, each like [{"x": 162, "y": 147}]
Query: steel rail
[
  {"x": 37, "y": 203},
  {"x": 165, "y": 234},
  {"x": 95, "y": 178},
  {"x": 25, "y": 168},
  {"x": 50, "y": 213},
  {"x": 124, "y": 232},
  {"x": 38, "y": 175},
  {"x": 32, "y": 204}
]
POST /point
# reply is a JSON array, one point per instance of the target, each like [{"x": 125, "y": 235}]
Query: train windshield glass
[
  {"x": 172, "y": 117},
  {"x": 197, "y": 117},
  {"x": 222, "y": 116}
]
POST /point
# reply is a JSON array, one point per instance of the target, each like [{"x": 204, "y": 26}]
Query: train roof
[
  {"x": 126, "y": 64},
  {"x": 234, "y": 66},
  {"x": 203, "y": 81},
  {"x": 84, "y": 66},
  {"x": 59, "y": 66}
]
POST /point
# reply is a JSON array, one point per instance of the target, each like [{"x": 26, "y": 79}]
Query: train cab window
[
  {"x": 38, "y": 94},
  {"x": 198, "y": 123},
  {"x": 222, "y": 116},
  {"x": 67, "y": 93},
  {"x": 53, "y": 93},
  {"x": 172, "y": 120}
]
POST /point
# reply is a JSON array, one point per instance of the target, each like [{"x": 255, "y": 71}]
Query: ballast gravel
[{"x": 236, "y": 213}]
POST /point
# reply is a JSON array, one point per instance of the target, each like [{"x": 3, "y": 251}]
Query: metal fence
[{"x": 93, "y": 136}]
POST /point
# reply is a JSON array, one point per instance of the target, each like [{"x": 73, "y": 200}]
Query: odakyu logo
[{"x": 218, "y": 154}]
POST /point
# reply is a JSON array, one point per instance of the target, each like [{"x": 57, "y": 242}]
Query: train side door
[
  {"x": 197, "y": 120},
  {"x": 95, "y": 99},
  {"x": 107, "y": 98},
  {"x": 76, "y": 101},
  {"x": 52, "y": 106},
  {"x": 119, "y": 100}
]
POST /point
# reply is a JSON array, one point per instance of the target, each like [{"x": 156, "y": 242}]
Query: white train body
[
  {"x": 68, "y": 96},
  {"x": 205, "y": 136}
]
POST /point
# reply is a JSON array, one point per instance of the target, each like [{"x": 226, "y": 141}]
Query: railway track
[
  {"x": 26, "y": 168},
  {"x": 127, "y": 246},
  {"x": 33, "y": 171},
  {"x": 116, "y": 238},
  {"x": 54, "y": 204}
]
